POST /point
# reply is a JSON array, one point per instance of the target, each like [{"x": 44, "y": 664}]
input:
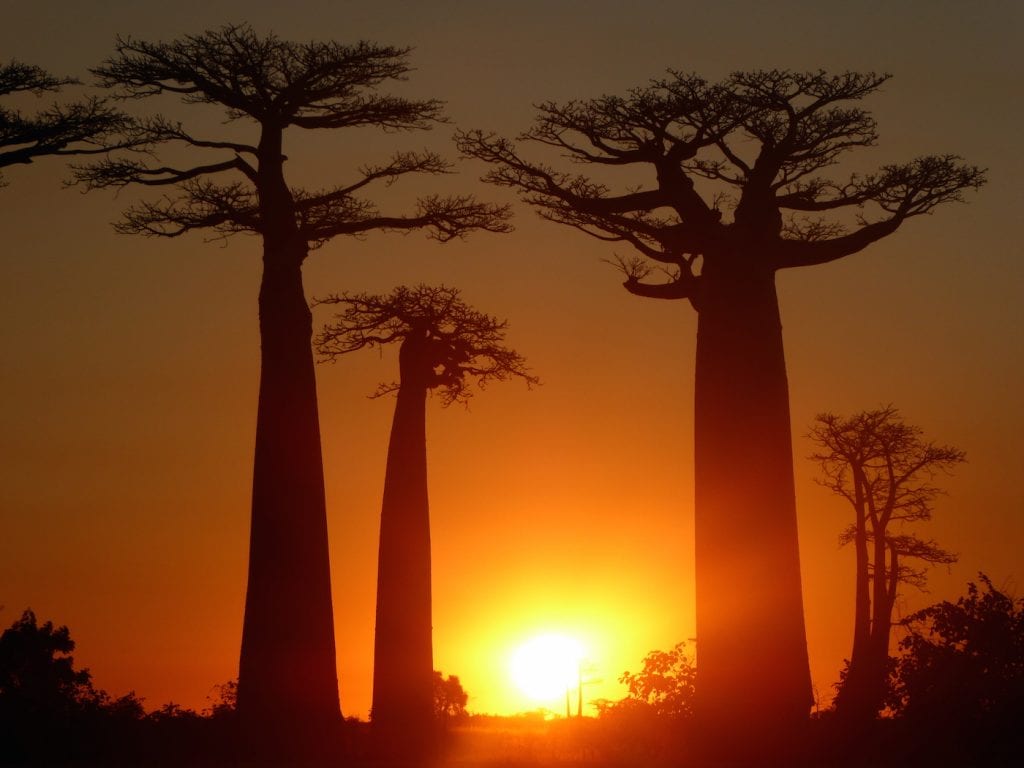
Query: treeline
[{"x": 52, "y": 712}]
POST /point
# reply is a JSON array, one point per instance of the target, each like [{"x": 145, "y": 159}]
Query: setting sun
[{"x": 545, "y": 666}]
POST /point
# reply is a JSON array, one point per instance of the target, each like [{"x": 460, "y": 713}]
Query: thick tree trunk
[
  {"x": 288, "y": 685},
  {"x": 403, "y": 678},
  {"x": 752, "y": 664}
]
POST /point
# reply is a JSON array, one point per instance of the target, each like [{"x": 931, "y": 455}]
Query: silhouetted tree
[
  {"x": 724, "y": 186},
  {"x": 884, "y": 468},
  {"x": 77, "y": 128},
  {"x": 960, "y": 679},
  {"x": 225, "y": 704},
  {"x": 445, "y": 346},
  {"x": 450, "y": 699},
  {"x": 666, "y": 685},
  {"x": 37, "y": 673},
  {"x": 287, "y": 676},
  {"x": 46, "y": 705}
]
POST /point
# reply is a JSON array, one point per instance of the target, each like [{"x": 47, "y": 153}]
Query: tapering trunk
[
  {"x": 752, "y": 664},
  {"x": 862, "y": 590},
  {"x": 403, "y": 678},
  {"x": 876, "y": 667},
  {"x": 287, "y": 680},
  {"x": 854, "y": 701}
]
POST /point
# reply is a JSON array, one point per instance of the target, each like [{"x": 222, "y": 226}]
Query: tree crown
[
  {"x": 885, "y": 469},
  {"x": 277, "y": 84},
  {"x": 666, "y": 684},
  {"x": 734, "y": 172},
  {"x": 455, "y": 344}
]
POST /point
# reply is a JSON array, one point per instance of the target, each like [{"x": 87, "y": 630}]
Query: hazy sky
[{"x": 128, "y": 367}]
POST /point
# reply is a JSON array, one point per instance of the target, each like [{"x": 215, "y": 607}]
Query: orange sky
[{"x": 128, "y": 367}]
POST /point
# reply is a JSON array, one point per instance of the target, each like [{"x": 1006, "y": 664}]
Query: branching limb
[
  {"x": 201, "y": 204},
  {"x": 445, "y": 218},
  {"x": 80, "y": 128}
]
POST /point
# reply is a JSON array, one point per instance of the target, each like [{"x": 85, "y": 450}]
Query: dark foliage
[
  {"x": 666, "y": 684},
  {"x": 450, "y": 699},
  {"x": 50, "y": 712},
  {"x": 960, "y": 677}
]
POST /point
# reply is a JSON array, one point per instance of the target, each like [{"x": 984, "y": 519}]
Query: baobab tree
[
  {"x": 721, "y": 186},
  {"x": 225, "y": 185},
  {"x": 885, "y": 469},
  {"x": 75, "y": 128},
  {"x": 445, "y": 346}
]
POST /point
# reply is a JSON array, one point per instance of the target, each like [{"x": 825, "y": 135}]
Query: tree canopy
[
  {"x": 709, "y": 171},
  {"x": 963, "y": 661},
  {"x": 277, "y": 84},
  {"x": 666, "y": 684},
  {"x": 465, "y": 345},
  {"x": 885, "y": 469}
]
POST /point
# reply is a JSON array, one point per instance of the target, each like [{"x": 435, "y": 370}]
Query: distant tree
[
  {"x": 450, "y": 699},
  {"x": 722, "y": 186},
  {"x": 961, "y": 673},
  {"x": 77, "y": 128},
  {"x": 287, "y": 683},
  {"x": 885, "y": 469},
  {"x": 666, "y": 685},
  {"x": 445, "y": 345}
]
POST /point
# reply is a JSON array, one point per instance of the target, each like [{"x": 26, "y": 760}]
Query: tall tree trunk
[
  {"x": 287, "y": 685},
  {"x": 403, "y": 677},
  {"x": 287, "y": 678},
  {"x": 752, "y": 663}
]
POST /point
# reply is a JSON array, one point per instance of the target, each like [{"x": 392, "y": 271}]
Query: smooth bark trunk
[
  {"x": 753, "y": 671},
  {"x": 287, "y": 683},
  {"x": 287, "y": 680},
  {"x": 403, "y": 678},
  {"x": 853, "y": 701}
]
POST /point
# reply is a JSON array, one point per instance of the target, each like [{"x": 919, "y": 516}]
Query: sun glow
[{"x": 545, "y": 666}]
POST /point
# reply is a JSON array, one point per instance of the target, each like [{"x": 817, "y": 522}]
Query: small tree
[
  {"x": 445, "y": 345},
  {"x": 716, "y": 187},
  {"x": 37, "y": 673},
  {"x": 287, "y": 683},
  {"x": 78, "y": 128},
  {"x": 666, "y": 685},
  {"x": 885, "y": 469},
  {"x": 450, "y": 699}
]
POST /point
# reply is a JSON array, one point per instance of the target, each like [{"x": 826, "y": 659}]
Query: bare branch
[
  {"x": 445, "y": 218},
  {"x": 877, "y": 460},
  {"x": 201, "y": 204},
  {"x": 78, "y": 128}
]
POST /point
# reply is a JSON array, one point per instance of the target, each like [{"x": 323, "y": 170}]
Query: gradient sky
[{"x": 128, "y": 367}]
